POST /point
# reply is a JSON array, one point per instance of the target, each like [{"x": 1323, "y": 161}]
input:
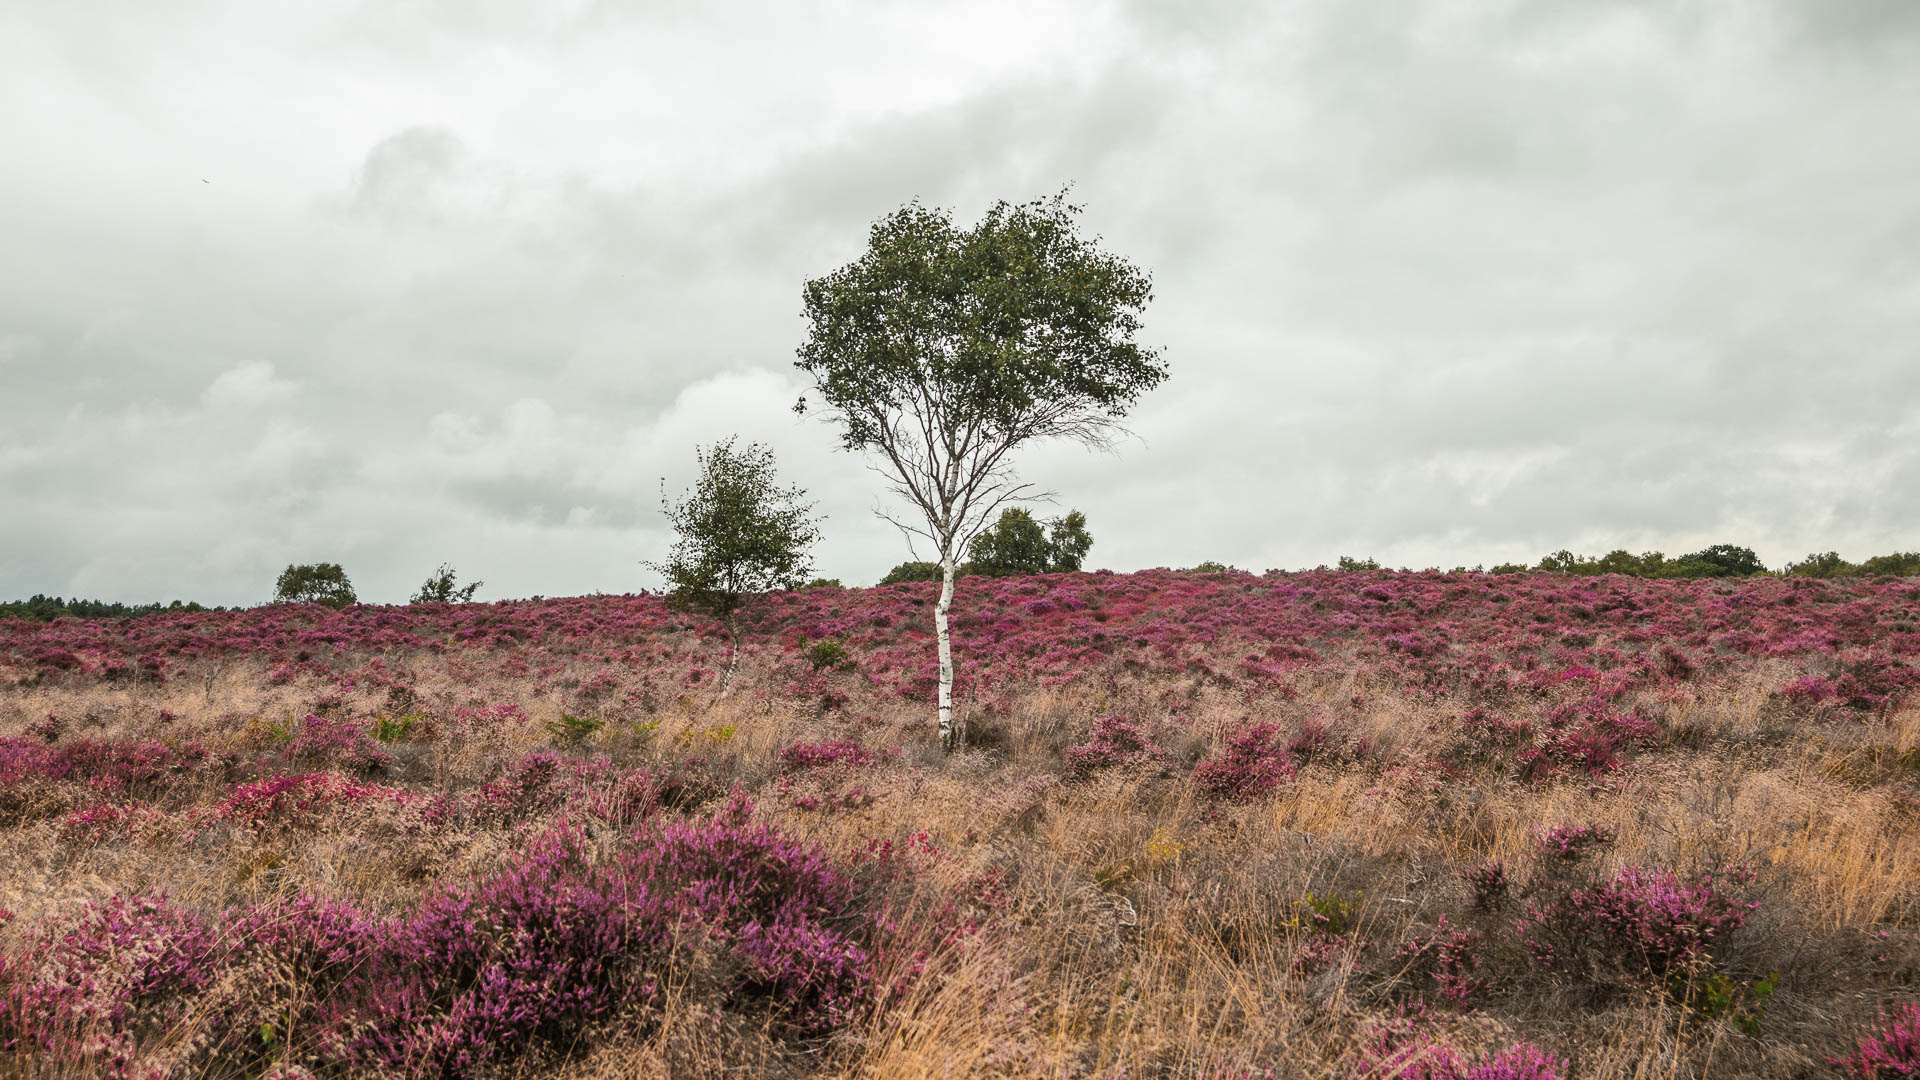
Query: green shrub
[
  {"x": 571, "y": 730},
  {"x": 439, "y": 589},
  {"x": 393, "y": 729},
  {"x": 1348, "y": 562},
  {"x": 829, "y": 653}
]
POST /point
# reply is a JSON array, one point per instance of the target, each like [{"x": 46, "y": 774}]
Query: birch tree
[
  {"x": 940, "y": 351},
  {"x": 739, "y": 534}
]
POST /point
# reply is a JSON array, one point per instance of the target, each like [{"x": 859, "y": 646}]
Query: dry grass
[{"x": 1145, "y": 931}]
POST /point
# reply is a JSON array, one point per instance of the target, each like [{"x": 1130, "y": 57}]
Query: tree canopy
[
  {"x": 739, "y": 532},
  {"x": 314, "y": 583},
  {"x": 1017, "y": 544}
]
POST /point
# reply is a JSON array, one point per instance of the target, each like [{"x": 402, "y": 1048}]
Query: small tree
[
  {"x": 439, "y": 589},
  {"x": 739, "y": 535},
  {"x": 940, "y": 351},
  {"x": 1070, "y": 540},
  {"x": 314, "y": 583}
]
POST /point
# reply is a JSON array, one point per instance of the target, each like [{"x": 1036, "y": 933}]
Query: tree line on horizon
[{"x": 1016, "y": 546}]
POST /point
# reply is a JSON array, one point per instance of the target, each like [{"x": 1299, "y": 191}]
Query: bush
[
  {"x": 1116, "y": 741},
  {"x": 806, "y": 755},
  {"x": 829, "y": 653},
  {"x": 314, "y": 583},
  {"x": 439, "y": 589},
  {"x": 1645, "y": 920},
  {"x": 1254, "y": 764},
  {"x": 340, "y": 743},
  {"x": 1891, "y": 1053},
  {"x": 119, "y": 972},
  {"x": 1349, "y": 563}
]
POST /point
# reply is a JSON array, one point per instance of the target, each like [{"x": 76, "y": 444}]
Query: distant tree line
[
  {"x": 1718, "y": 561},
  {"x": 47, "y": 608}
]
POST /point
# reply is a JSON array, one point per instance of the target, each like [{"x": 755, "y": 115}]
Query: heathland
[{"x": 1325, "y": 824}]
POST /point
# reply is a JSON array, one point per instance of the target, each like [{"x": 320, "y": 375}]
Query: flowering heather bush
[
  {"x": 292, "y": 975},
  {"x": 339, "y": 743},
  {"x": 547, "y": 953},
  {"x": 92, "y": 985},
  {"x": 1254, "y": 764},
  {"x": 1569, "y": 843},
  {"x": 289, "y": 802},
  {"x": 1448, "y": 958},
  {"x": 1808, "y": 690},
  {"x": 1891, "y": 1053},
  {"x": 533, "y": 956},
  {"x": 1649, "y": 920},
  {"x": 1116, "y": 741},
  {"x": 1397, "y": 1051},
  {"x": 108, "y": 766},
  {"x": 823, "y": 755},
  {"x": 1487, "y": 885}
]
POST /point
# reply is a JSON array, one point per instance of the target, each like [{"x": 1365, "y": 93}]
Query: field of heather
[{"x": 1424, "y": 825}]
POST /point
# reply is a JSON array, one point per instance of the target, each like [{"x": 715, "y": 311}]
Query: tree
[
  {"x": 940, "y": 351},
  {"x": 439, "y": 589},
  {"x": 1016, "y": 544},
  {"x": 1070, "y": 540},
  {"x": 1720, "y": 560},
  {"x": 739, "y": 535},
  {"x": 314, "y": 583}
]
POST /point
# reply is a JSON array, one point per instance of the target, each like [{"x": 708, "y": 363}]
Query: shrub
[
  {"x": 1116, "y": 741},
  {"x": 1570, "y": 843},
  {"x": 99, "y": 983},
  {"x": 829, "y": 653},
  {"x": 571, "y": 730},
  {"x": 806, "y": 755},
  {"x": 440, "y": 589},
  {"x": 1397, "y": 1054},
  {"x": 340, "y": 743},
  {"x": 1645, "y": 920},
  {"x": 1892, "y": 1052},
  {"x": 1488, "y": 886},
  {"x": 1254, "y": 764}
]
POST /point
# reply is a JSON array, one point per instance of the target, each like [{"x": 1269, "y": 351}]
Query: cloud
[{"x": 1442, "y": 283}]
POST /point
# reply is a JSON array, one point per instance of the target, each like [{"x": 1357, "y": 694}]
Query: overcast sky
[{"x": 409, "y": 281}]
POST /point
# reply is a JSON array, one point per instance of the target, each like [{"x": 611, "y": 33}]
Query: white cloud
[{"x": 249, "y": 386}]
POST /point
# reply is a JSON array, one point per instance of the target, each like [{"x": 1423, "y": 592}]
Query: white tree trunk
[{"x": 948, "y": 737}]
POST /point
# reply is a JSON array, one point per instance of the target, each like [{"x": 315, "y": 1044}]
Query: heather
[{"x": 1340, "y": 823}]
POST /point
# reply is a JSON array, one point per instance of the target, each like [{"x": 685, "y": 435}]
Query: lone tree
[
  {"x": 439, "y": 589},
  {"x": 940, "y": 351},
  {"x": 314, "y": 583},
  {"x": 739, "y": 534},
  {"x": 1017, "y": 544}
]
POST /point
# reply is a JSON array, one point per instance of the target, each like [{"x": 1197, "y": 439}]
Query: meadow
[{"x": 1364, "y": 824}]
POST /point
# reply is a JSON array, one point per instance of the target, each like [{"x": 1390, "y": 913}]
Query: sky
[{"x": 405, "y": 282}]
